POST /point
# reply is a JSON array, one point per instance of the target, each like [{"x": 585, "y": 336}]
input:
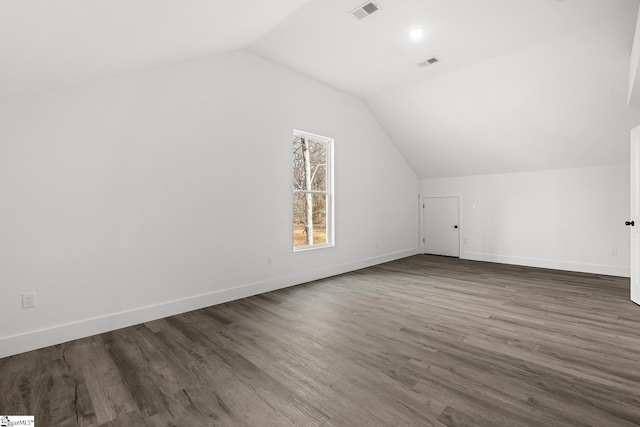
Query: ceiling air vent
[
  {"x": 365, "y": 10},
  {"x": 429, "y": 61}
]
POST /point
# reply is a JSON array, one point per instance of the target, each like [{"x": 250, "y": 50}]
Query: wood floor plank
[
  {"x": 422, "y": 341},
  {"x": 104, "y": 385}
]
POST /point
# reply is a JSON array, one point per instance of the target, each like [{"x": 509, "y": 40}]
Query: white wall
[
  {"x": 567, "y": 219},
  {"x": 634, "y": 69},
  {"x": 166, "y": 191}
]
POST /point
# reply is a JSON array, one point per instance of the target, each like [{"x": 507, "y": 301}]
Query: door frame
[{"x": 423, "y": 198}]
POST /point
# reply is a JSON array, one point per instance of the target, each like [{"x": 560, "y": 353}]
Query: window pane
[
  {"x": 298, "y": 165},
  {"x": 309, "y": 219},
  {"x": 309, "y": 164},
  {"x": 318, "y": 160}
]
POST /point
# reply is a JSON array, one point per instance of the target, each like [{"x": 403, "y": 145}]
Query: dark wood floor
[{"x": 425, "y": 341}]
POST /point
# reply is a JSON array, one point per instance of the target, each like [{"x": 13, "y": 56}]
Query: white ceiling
[
  {"x": 557, "y": 104},
  {"x": 47, "y": 44},
  {"x": 374, "y": 55},
  {"x": 521, "y": 85}
]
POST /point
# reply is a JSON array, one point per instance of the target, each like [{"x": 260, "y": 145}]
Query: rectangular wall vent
[
  {"x": 365, "y": 10},
  {"x": 429, "y": 61}
]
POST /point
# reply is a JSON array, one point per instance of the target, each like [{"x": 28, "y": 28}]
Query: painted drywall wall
[
  {"x": 634, "y": 70},
  {"x": 168, "y": 190},
  {"x": 568, "y": 219}
]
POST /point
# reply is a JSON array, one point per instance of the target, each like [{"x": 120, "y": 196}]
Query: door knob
[
  {"x": 631, "y": 223},
  {"x": 455, "y": 226}
]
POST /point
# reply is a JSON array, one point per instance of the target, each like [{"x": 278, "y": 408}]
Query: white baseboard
[
  {"x": 609, "y": 270},
  {"x": 33, "y": 340}
]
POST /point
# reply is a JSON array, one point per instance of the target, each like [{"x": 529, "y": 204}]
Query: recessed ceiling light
[{"x": 416, "y": 33}]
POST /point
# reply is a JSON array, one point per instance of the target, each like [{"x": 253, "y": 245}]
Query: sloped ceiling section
[
  {"x": 373, "y": 55},
  {"x": 558, "y": 104},
  {"x": 521, "y": 85},
  {"x": 48, "y": 44}
]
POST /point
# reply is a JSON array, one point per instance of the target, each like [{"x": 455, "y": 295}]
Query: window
[{"x": 312, "y": 191}]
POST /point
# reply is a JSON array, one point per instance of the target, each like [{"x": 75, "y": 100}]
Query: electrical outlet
[
  {"x": 270, "y": 262},
  {"x": 614, "y": 251},
  {"x": 29, "y": 300}
]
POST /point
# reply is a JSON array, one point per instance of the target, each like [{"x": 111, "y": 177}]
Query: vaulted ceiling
[{"x": 520, "y": 85}]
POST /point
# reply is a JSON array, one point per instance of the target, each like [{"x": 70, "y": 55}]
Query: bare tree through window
[{"x": 311, "y": 195}]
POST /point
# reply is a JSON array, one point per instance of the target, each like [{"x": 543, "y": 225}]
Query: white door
[
  {"x": 440, "y": 221},
  {"x": 634, "y": 221}
]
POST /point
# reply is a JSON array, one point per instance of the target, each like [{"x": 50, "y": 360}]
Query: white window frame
[{"x": 329, "y": 193}]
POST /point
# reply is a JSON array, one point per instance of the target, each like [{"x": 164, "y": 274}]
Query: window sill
[{"x": 312, "y": 247}]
